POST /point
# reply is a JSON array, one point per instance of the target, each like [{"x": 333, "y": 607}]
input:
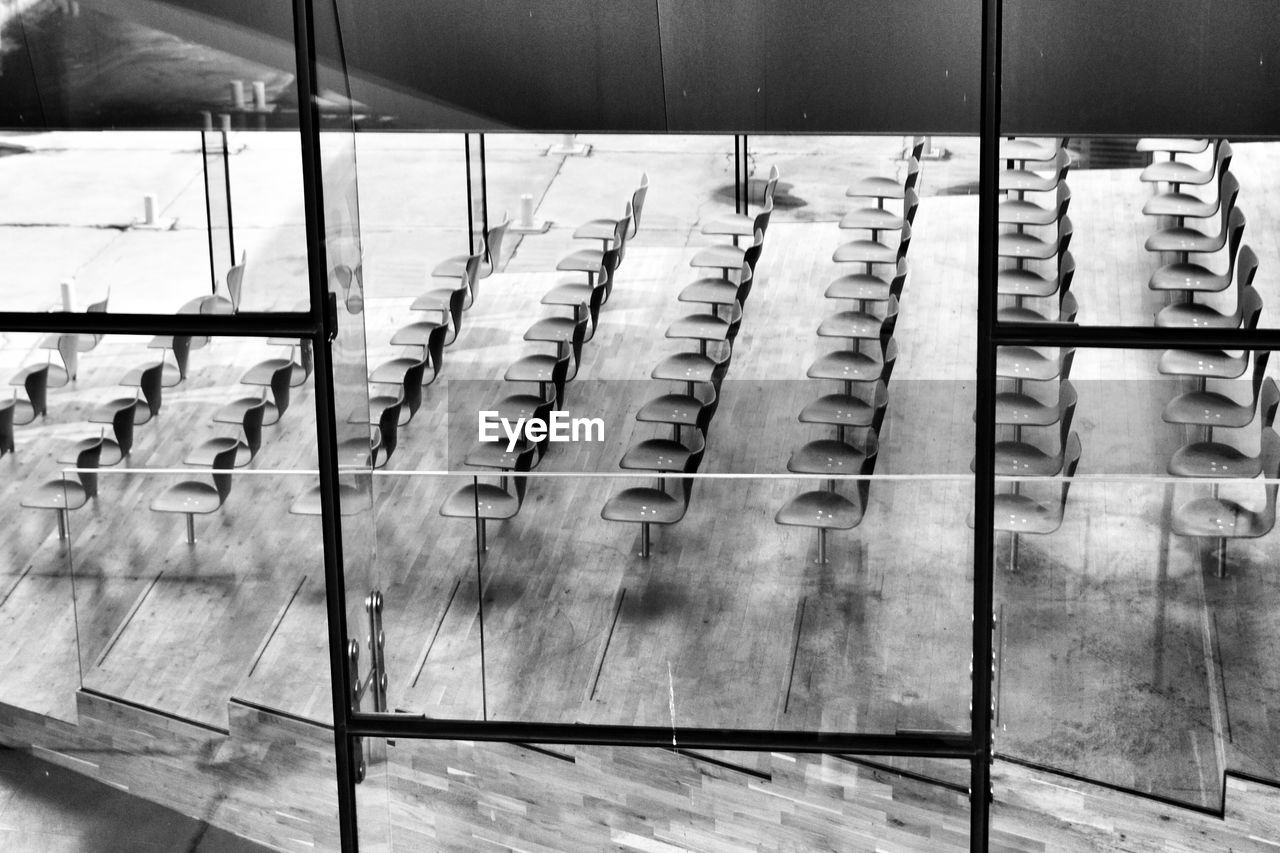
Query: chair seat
[
  {"x": 105, "y": 413},
  {"x": 495, "y": 455},
  {"x": 1207, "y": 408},
  {"x": 1026, "y": 180},
  {"x": 1195, "y": 315},
  {"x": 1025, "y": 410},
  {"x": 820, "y": 509},
  {"x": 1023, "y": 149},
  {"x": 392, "y": 372},
  {"x": 865, "y": 252},
  {"x": 847, "y": 366},
  {"x": 1018, "y": 458},
  {"x": 111, "y": 454},
  {"x": 233, "y": 412},
  {"x": 687, "y": 367},
  {"x": 1187, "y": 276},
  {"x": 1016, "y": 314},
  {"x": 436, "y": 299},
  {"x": 731, "y": 224},
  {"x": 675, "y": 409},
  {"x": 699, "y": 327},
  {"x": 719, "y": 257},
  {"x": 827, "y": 456},
  {"x": 1026, "y": 247},
  {"x": 876, "y": 187},
  {"x": 1020, "y": 212},
  {"x": 1025, "y": 363},
  {"x": 568, "y": 293},
  {"x": 851, "y": 324},
  {"x": 1184, "y": 240},
  {"x": 351, "y": 500},
  {"x": 553, "y": 329},
  {"x": 1171, "y": 145},
  {"x": 838, "y": 410},
  {"x": 865, "y": 286},
  {"x": 191, "y": 496},
  {"x": 1210, "y": 364},
  {"x": 261, "y": 373},
  {"x": 57, "y": 375},
  {"x": 873, "y": 218},
  {"x": 56, "y": 494},
  {"x": 643, "y": 506},
  {"x": 415, "y": 334},
  {"x": 170, "y": 376},
  {"x": 203, "y": 455},
  {"x": 1218, "y": 518},
  {"x": 483, "y": 499},
  {"x": 531, "y": 368},
  {"x": 1175, "y": 172},
  {"x": 656, "y": 454},
  {"x": 583, "y": 260},
  {"x": 1180, "y": 204},
  {"x": 1021, "y": 514},
  {"x": 452, "y": 267},
  {"x": 1025, "y": 283},
  {"x": 85, "y": 343},
  {"x": 711, "y": 291},
  {"x": 1213, "y": 459},
  {"x": 357, "y": 452},
  {"x": 513, "y": 407}
]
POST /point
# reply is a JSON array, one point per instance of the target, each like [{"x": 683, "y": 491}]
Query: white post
[
  {"x": 259, "y": 96},
  {"x": 526, "y": 210},
  {"x": 149, "y": 209},
  {"x": 68, "y": 288},
  {"x": 237, "y": 94}
]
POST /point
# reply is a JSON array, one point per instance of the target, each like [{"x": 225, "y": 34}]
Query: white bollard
[
  {"x": 526, "y": 210},
  {"x": 237, "y": 94},
  {"x": 226, "y": 122},
  {"x": 259, "y": 96},
  {"x": 149, "y": 209},
  {"x": 68, "y": 287},
  {"x": 208, "y": 120}
]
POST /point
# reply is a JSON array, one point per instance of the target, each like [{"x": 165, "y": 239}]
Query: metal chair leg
[
  {"x": 644, "y": 540},
  {"x": 822, "y": 546},
  {"x": 191, "y": 529}
]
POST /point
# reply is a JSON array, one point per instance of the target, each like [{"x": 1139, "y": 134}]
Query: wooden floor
[{"x": 1121, "y": 658}]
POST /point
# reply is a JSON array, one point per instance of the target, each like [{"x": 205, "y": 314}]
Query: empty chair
[
  {"x": 589, "y": 260},
  {"x": 67, "y": 349},
  {"x": 1186, "y": 205},
  {"x": 869, "y": 250},
  {"x": 438, "y": 298},
  {"x": 723, "y": 291},
  {"x": 150, "y": 390},
  {"x": 114, "y": 450},
  {"x": 541, "y": 367},
  {"x": 667, "y": 454},
  {"x": 491, "y": 249},
  {"x": 706, "y": 328},
  {"x": 591, "y": 293},
  {"x": 1215, "y": 459},
  {"x": 6, "y": 426},
  {"x": 1021, "y": 149},
  {"x": 648, "y": 506},
  {"x": 606, "y": 229},
  {"x": 1214, "y": 364},
  {"x": 246, "y": 444},
  {"x": 1020, "y": 212},
  {"x": 846, "y": 365},
  {"x": 1044, "y": 179},
  {"x": 876, "y": 219},
  {"x": 1016, "y": 458},
  {"x": 1185, "y": 277},
  {"x": 743, "y": 224},
  {"x": 419, "y": 334},
  {"x": 70, "y": 346},
  {"x": 301, "y": 369},
  {"x": 1019, "y": 513},
  {"x": 34, "y": 381},
  {"x": 352, "y": 499},
  {"x": 1171, "y": 145},
  {"x": 171, "y": 375},
  {"x": 866, "y": 287},
  {"x": 1221, "y": 518},
  {"x": 196, "y": 497},
  {"x": 881, "y": 188},
  {"x": 837, "y": 456},
  {"x": 70, "y": 492},
  {"x": 847, "y": 410},
  {"x": 377, "y": 448},
  {"x": 561, "y": 329},
  {"x": 858, "y": 325},
  {"x": 1184, "y": 240},
  {"x": 727, "y": 258},
  {"x": 1197, "y": 315},
  {"x": 826, "y": 509},
  {"x": 1020, "y": 409},
  {"x": 1023, "y": 283},
  {"x": 1178, "y": 172},
  {"x": 486, "y": 502},
  {"x": 1213, "y": 409},
  {"x": 409, "y": 376},
  {"x": 704, "y": 365},
  {"x": 1023, "y": 363},
  {"x": 678, "y": 410},
  {"x": 276, "y": 405},
  {"x": 1023, "y": 247}
]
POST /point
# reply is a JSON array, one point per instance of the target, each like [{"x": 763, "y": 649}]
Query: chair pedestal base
[
  {"x": 1013, "y": 552},
  {"x": 644, "y": 540},
  {"x": 62, "y": 525},
  {"x": 191, "y": 529},
  {"x": 822, "y": 547},
  {"x": 481, "y": 535}
]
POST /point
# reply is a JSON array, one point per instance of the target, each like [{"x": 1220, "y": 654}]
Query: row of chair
[
  {"x": 689, "y": 411},
  {"x": 549, "y": 372}
]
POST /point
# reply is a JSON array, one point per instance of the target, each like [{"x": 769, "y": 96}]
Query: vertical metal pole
[
  {"x": 984, "y": 479},
  {"x": 326, "y": 427},
  {"x": 208, "y": 210},
  {"x": 226, "y": 177},
  {"x": 477, "y": 189}
]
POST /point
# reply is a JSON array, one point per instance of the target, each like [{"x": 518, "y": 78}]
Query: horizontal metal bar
[
  {"x": 928, "y": 744},
  {"x": 284, "y": 324},
  {"x": 1133, "y": 337}
]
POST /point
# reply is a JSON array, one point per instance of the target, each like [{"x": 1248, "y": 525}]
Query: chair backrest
[
  {"x": 181, "y": 347},
  {"x": 761, "y": 223},
  {"x": 917, "y": 147},
  {"x": 1070, "y": 460},
  {"x": 435, "y": 350},
  {"x": 235, "y": 284},
  {"x": 637, "y": 202},
  {"x": 1067, "y": 399},
  {"x": 493, "y": 239},
  {"x": 122, "y": 426},
  {"x": 746, "y": 276},
  {"x": 223, "y": 462},
  {"x": 1235, "y": 233},
  {"x": 910, "y": 203},
  {"x": 251, "y": 424},
  {"x": 37, "y": 387},
  {"x": 1230, "y": 192},
  {"x": 152, "y": 384},
  {"x": 1066, "y": 273},
  {"x": 524, "y": 463},
  {"x": 411, "y": 391},
  {"x": 609, "y": 263},
  {"x": 891, "y": 349},
  {"x": 1267, "y": 402},
  {"x": 904, "y": 240},
  {"x": 560, "y": 378},
  {"x": 770, "y": 186},
  {"x": 87, "y": 462},
  {"x": 471, "y": 275},
  {"x": 899, "y": 280},
  {"x": 751, "y": 256},
  {"x": 281, "y": 385},
  {"x": 456, "y": 300},
  {"x": 69, "y": 350},
  {"x": 913, "y": 172},
  {"x": 579, "y": 337},
  {"x": 388, "y": 432},
  {"x": 691, "y": 466},
  {"x": 871, "y": 452},
  {"x": 1271, "y": 470},
  {"x": 1066, "y": 358},
  {"x": 1222, "y": 162},
  {"x": 1260, "y": 359},
  {"x": 1063, "y": 200}
]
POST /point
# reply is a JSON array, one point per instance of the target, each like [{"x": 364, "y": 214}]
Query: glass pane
[
  {"x": 1134, "y": 590},
  {"x": 543, "y": 796}
]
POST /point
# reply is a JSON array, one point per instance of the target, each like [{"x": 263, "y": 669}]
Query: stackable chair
[
  {"x": 607, "y": 229},
  {"x": 197, "y": 497},
  {"x": 826, "y": 509},
  {"x": 1197, "y": 315},
  {"x": 276, "y": 404},
  {"x": 301, "y": 368},
  {"x": 246, "y": 445},
  {"x": 1216, "y": 459},
  {"x": 34, "y": 382},
  {"x": 490, "y": 250},
  {"x": 743, "y": 224},
  {"x": 486, "y": 502},
  {"x": 1184, "y": 240},
  {"x": 1212, "y": 409},
  {"x": 1188, "y": 278},
  {"x": 439, "y": 298},
  {"x": 150, "y": 390},
  {"x": 1182, "y": 205},
  {"x": 70, "y": 492},
  {"x": 647, "y": 506},
  {"x": 728, "y": 258},
  {"x": 1176, "y": 172}
]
